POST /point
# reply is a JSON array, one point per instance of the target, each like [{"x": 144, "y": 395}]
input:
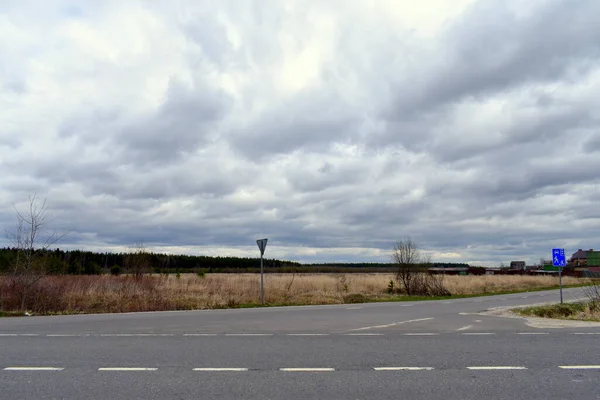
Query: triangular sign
[{"x": 262, "y": 244}]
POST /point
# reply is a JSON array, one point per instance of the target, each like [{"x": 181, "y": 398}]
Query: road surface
[{"x": 412, "y": 350}]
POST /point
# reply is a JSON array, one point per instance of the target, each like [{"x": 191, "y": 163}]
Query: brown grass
[
  {"x": 90, "y": 294},
  {"x": 582, "y": 311}
]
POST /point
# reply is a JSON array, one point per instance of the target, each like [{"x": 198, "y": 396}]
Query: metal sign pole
[
  {"x": 262, "y": 288},
  {"x": 560, "y": 283},
  {"x": 559, "y": 260},
  {"x": 262, "y": 244}
]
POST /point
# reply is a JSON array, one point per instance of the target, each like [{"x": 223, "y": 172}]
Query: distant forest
[{"x": 77, "y": 262}]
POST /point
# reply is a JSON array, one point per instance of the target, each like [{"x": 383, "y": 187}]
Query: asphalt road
[{"x": 414, "y": 350}]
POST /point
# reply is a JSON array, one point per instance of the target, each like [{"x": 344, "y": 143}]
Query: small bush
[
  {"x": 200, "y": 274},
  {"x": 115, "y": 270},
  {"x": 565, "y": 310},
  {"x": 390, "y": 287},
  {"x": 354, "y": 298}
]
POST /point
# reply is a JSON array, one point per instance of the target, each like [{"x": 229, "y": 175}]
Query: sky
[{"x": 333, "y": 128}]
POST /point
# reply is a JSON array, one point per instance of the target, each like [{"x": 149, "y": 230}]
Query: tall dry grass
[{"x": 90, "y": 294}]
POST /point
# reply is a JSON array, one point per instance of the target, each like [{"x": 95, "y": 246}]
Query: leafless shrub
[
  {"x": 412, "y": 273},
  {"x": 138, "y": 261},
  {"x": 592, "y": 293},
  {"x": 32, "y": 241}
]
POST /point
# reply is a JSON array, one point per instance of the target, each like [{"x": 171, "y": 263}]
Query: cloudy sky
[{"x": 334, "y": 128}]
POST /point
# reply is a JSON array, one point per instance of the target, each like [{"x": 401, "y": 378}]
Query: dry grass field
[{"x": 90, "y": 294}]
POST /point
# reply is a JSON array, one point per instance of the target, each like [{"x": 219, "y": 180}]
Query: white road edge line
[
  {"x": 33, "y": 369},
  {"x": 579, "y": 366},
  {"x": 392, "y": 324},
  {"x": 221, "y": 369},
  {"x": 495, "y": 368},
  {"x": 128, "y": 369},
  {"x": 403, "y": 368},
  {"x": 307, "y": 369}
]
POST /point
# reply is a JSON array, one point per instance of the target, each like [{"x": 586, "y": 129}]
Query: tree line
[{"x": 78, "y": 262}]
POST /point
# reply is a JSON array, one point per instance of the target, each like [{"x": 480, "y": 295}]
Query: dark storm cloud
[
  {"x": 308, "y": 121},
  {"x": 182, "y": 123},
  {"x": 491, "y": 51},
  {"x": 593, "y": 144}
]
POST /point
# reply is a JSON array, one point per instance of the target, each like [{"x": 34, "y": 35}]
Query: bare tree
[
  {"x": 138, "y": 260},
  {"x": 409, "y": 260},
  {"x": 412, "y": 273},
  {"x": 31, "y": 241}
]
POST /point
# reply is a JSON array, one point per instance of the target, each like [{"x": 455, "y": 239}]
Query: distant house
[
  {"x": 517, "y": 265},
  {"x": 584, "y": 258},
  {"x": 593, "y": 259}
]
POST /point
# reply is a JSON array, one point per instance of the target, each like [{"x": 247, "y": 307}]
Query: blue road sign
[{"x": 558, "y": 258}]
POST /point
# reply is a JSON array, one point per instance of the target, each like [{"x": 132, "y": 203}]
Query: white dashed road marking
[
  {"x": 135, "y": 334},
  {"x": 199, "y": 334},
  {"x": 586, "y": 333},
  {"x": 61, "y": 335},
  {"x": 392, "y": 324},
  {"x": 533, "y": 333},
  {"x": 220, "y": 369},
  {"x": 579, "y": 366},
  {"x": 33, "y": 369},
  {"x": 464, "y": 328},
  {"x": 478, "y": 333},
  {"x": 248, "y": 334},
  {"x": 19, "y": 334},
  {"x": 495, "y": 368},
  {"x": 308, "y": 334},
  {"x": 421, "y": 334},
  {"x": 307, "y": 369},
  {"x": 403, "y": 368},
  {"x": 126, "y": 369},
  {"x": 363, "y": 334}
]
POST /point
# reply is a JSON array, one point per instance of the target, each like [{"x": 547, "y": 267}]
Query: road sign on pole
[
  {"x": 559, "y": 260},
  {"x": 262, "y": 245}
]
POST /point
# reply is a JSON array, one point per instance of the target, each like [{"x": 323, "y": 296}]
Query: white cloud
[{"x": 333, "y": 128}]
